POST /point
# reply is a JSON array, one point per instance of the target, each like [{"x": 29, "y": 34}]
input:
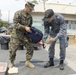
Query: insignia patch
[{"x": 46, "y": 15}]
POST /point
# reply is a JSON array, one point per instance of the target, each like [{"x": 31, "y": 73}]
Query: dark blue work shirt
[{"x": 57, "y": 26}]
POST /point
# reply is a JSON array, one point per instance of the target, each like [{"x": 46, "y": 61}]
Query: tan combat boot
[
  {"x": 29, "y": 64},
  {"x": 11, "y": 64}
]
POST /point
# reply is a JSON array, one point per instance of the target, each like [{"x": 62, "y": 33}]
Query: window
[{"x": 70, "y": 26}]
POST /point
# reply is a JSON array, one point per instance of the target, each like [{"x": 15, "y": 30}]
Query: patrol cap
[
  {"x": 30, "y": 5},
  {"x": 48, "y": 14}
]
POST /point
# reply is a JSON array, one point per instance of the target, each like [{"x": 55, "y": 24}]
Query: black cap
[{"x": 48, "y": 14}]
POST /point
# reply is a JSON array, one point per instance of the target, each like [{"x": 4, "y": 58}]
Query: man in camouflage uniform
[
  {"x": 57, "y": 31},
  {"x": 22, "y": 22}
]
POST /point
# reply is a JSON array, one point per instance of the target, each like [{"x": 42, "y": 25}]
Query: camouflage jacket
[{"x": 21, "y": 19}]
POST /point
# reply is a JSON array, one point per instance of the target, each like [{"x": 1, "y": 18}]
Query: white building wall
[
  {"x": 39, "y": 17},
  {"x": 69, "y": 17},
  {"x": 37, "y": 21}
]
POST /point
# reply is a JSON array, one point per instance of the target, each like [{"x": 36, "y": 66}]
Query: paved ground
[{"x": 39, "y": 59}]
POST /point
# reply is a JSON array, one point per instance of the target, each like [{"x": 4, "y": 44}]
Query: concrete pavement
[{"x": 40, "y": 57}]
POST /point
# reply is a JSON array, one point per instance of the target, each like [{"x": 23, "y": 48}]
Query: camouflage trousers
[{"x": 14, "y": 44}]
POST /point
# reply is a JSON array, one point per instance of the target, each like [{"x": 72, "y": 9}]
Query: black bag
[{"x": 35, "y": 36}]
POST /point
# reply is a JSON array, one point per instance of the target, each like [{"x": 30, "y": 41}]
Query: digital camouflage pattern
[
  {"x": 58, "y": 30},
  {"x": 21, "y": 19}
]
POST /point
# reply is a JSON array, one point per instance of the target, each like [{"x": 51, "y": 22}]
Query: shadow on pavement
[{"x": 39, "y": 59}]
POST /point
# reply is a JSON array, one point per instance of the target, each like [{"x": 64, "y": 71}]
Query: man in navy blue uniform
[{"x": 54, "y": 26}]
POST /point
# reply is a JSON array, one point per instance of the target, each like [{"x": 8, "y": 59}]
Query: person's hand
[
  {"x": 45, "y": 44},
  {"x": 28, "y": 29},
  {"x": 41, "y": 43},
  {"x": 51, "y": 40}
]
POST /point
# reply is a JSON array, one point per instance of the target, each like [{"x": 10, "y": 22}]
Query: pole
[
  {"x": 8, "y": 16},
  {"x": 0, "y": 14},
  {"x": 44, "y": 4}
]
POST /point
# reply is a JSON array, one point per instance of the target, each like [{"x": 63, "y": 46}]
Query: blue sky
[{"x": 14, "y": 5}]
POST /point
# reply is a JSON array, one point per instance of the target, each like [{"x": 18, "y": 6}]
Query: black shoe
[
  {"x": 61, "y": 66},
  {"x": 49, "y": 64}
]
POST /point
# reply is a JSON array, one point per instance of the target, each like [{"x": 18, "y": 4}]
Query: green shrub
[{"x": 4, "y": 23}]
